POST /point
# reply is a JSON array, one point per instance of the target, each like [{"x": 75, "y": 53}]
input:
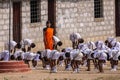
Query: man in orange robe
[{"x": 48, "y": 36}]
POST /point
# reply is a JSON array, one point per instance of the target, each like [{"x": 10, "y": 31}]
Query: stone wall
[
  {"x": 4, "y": 23},
  {"x": 78, "y": 16},
  {"x": 71, "y": 16},
  {"x": 33, "y": 31}
]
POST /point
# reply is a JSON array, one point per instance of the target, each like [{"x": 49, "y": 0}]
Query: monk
[{"x": 48, "y": 36}]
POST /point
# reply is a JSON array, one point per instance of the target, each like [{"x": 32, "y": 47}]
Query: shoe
[
  {"x": 113, "y": 70},
  {"x": 47, "y": 67}
]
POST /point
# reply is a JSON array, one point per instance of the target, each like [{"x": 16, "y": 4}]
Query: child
[
  {"x": 67, "y": 58},
  {"x": 28, "y": 43},
  {"x": 45, "y": 55},
  {"x": 54, "y": 56},
  {"x": 18, "y": 53},
  {"x": 114, "y": 54},
  {"x": 75, "y": 38},
  {"x": 4, "y": 55},
  {"x": 100, "y": 54},
  {"x": 29, "y": 56},
  {"x": 57, "y": 42},
  {"x": 11, "y": 46},
  {"x": 89, "y": 51},
  {"x": 76, "y": 59}
]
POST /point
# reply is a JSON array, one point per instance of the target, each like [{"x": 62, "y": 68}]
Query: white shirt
[
  {"x": 5, "y": 55},
  {"x": 12, "y": 45},
  {"x": 100, "y": 55},
  {"x": 54, "y": 54},
  {"x": 56, "y": 39},
  {"x": 18, "y": 53},
  {"x": 76, "y": 54},
  {"x": 74, "y": 37},
  {"x": 46, "y": 53},
  {"x": 68, "y": 49},
  {"x": 28, "y": 56},
  {"x": 26, "y": 42}
]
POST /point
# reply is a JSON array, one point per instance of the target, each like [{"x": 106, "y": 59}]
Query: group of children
[{"x": 80, "y": 53}]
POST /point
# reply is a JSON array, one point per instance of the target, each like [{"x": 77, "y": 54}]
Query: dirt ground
[{"x": 40, "y": 74}]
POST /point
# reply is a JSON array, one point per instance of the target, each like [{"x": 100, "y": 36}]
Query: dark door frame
[
  {"x": 17, "y": 27},
  {"x": 117, "y": 18},
  {"x": 52, "y": 13}
]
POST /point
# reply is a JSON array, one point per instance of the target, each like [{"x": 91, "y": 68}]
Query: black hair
[
  {"x": 32, "y": 45},
  {"x": 63, "y": 50},
  {"x": 39, "y": 52},
  {"x": 61, "y": 58},
  {"x": 81, "y": 40},
  {"x": 18, "y": 45},
  {"x": 29, "y": 49},
  {"x": 23, "y": 49},
  {"x": 59, "y": 43},
  {"x": 12, "y": 57},
  {"x": 92, "y": 55},
  {"x": 119, "y": 57},
  {"x": 48, "y": 23},
  {"x": 67, "y": 54},
  {"x": 106, "y": 41}
]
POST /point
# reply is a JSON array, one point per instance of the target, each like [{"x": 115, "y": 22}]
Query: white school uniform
[
  {"x": 56, "y": 39},
  {"x": 28, "y": 56},
  {"x": 25, "y": 42},
  {"x": 101, "y": 55},
  {"x": 101, "y": 50},
  {"x": 5, "y": 55},
  {"x": 74, "y": 37},
  {"x": 115, "y": 51},
  {"x": 54, "y": 55},
  {"x": 110, "y": 39},
  {"x": 83, "y": 48},
  {"x": 18, "y": 53},
  {"x": 46, "y": 53},
  {"x": 76, "y": 54},
  {"x": 36, "y": 57},
  {"x": 11, "y": 44},
  {"x": 68, "y": 49}
]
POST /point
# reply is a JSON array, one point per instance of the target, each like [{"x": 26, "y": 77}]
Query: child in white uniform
[
  {"x": 75, "y": 37},
  {"x": 57, "y": 42},
  {"x": 76, "y": 59},
  {"x": 45, "y": 55},
  {"x": 28, "y": 43},
  {"x": 4, "y": 55},
  {"x": 114, "y": 54}
]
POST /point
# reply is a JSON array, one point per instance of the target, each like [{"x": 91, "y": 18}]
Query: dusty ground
[{"x": 40, "y": 74}]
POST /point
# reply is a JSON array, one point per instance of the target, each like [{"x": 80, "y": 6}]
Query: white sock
[{"x": 115, "y": 66}]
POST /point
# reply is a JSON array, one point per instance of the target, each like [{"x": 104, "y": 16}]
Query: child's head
[
  {"x": 67, "y": 54},
  {"x": 81, "y": 40},
  {"x": 63, "y": 50},
  {"x": 29, "y": 49},
  {"x": 12, "y": 57},
  {"x": 59, "y": 43},
  {"x": 33, "y": 45},
  {"x": 18, "y": 45},
  {"x": 23, "y": 49},
  {"x": 48, "y": 24}
]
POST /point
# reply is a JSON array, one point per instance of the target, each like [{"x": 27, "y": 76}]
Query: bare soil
[{"x": 41, "y": 74}]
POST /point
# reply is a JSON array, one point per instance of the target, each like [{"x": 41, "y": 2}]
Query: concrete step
[
  {"x": 13, "y": 66},
  {"x": 14, "y": 70}
]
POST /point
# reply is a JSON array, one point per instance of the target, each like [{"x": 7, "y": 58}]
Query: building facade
[{"x": 93, "y": 19}]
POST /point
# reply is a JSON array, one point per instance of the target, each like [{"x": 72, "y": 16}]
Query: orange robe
[{"x": 49, "y": 38}]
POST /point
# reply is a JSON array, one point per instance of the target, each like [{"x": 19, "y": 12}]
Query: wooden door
[
  {"x": 52, "y": 12},
  {"x": 17, "y": 21},
  {"x": 117, "y": 6}
]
